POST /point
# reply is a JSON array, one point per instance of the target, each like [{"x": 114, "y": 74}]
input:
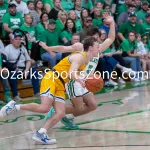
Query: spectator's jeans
[
  {"x": 135, "y": 64},
  {"x": 5, "y": 84},
  {"x": 50, "y": 59},
  {"x": 14, "y": 84}
]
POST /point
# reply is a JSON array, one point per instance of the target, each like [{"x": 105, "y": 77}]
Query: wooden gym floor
[{"x": 121, "y": 122}]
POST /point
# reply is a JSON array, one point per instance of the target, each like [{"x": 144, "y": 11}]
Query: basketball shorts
[
  {"x": 74, "y": 89},
  {"x": 52, "y": 87}
]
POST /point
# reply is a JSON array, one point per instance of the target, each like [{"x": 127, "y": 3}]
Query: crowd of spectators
[{"x": 65, "y": 22}]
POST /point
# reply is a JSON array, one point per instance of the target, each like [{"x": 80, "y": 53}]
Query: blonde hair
[
  {"x": 70, "y": 13},
  {"x": 60, "y": 14}
]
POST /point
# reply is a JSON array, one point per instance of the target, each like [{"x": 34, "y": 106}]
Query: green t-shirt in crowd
[
  {"x": 141, "y": 15},
  {"x": 126, "y": 27},
  {"x": 3, "y": 10},
  {"x": 0, "y": 61},
  {"x": 67, "y": 5},
  {"x": 146, "y": 27},
  {"x": 100, "y": 1},
  {"x": 66, "y": 34},
  {"x": 50, "y": 38},
  {"x": 128, "y": 46},
  {"x": 108, "y": 50},
  {"x": 78, "y": 25},
  {"x": 50, "y": 2},
  {"x": 14, "y": 22},
  {"x": 122, "y": 8},
  {"x": 87, "y": 4},
  {"x": 97, "y": 22},
  {"x": 31, "y": 31},
  {"x": 39, "y": 30},
  {"x": 59, "y": 25}
]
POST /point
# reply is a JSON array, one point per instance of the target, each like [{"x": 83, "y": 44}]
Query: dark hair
[
  {"x": 82, "y": 19},
  {"x": 92, "y": 31},
  {"x": 35, "y": 3},
  {"x": 106, "y": 6},
  {"x": 132, "y": 32},
  {"x": 131, "y": 5},
  {"x": 66, "y": 26},
  {"x": 75, "y": 34},
  {"x": 28, "y": 2},
  {"x": 89, "y": 41},
  {"x": 43, "y": 13}
]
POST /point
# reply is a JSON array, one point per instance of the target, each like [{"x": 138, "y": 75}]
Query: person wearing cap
[
  {"x": 130, "y": 25},
  {"x": 11, "y": 21},
  {"x": 12, "y": 52},
  {"x": 51, "y": 37},
  {"x": 141, "y": 14},
  {"x": 146, "y": 24}
]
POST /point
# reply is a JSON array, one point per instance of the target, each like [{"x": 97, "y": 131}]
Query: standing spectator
[
  {"x": 3, "y": 10},
  {"x": 61, "y": 21},
  {"x": 37, "y": 12},
  {"x": 130, "y": 25},
  {"x": 124, "y": 17},
  {"x": 12, "y": 52},
  {"x": 51, "y": 38},
  {"x": 87, "y": 23},
  {"x": 78, "y": 8},
  {"x": 67, "y": 5},
  {"x": 53, "y": 14},
  {"x": 11, "y": 20},
  {"x": 43, "y": 25},
  {"x": 21, "y": 7},
  {"x": 69, "y": 29},
  {"x": 141, "y": 14},
  {"x": 72, "y": 15}
]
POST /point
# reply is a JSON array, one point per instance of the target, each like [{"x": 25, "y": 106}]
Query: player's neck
[{"x": 89, "y": 56}]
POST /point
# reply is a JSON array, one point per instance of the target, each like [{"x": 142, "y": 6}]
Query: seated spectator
[
  {"x": 143, "y": 53},
  {"x": 77, "y": 8},
  {"x": 30, "y": 5},
  {"x": 51, "y": 38},
  {"x": 43, "y": 25},
  {"x": 61, "y": 21},
  {"x": 21, "y": 7},
  {"x": 129, "y": 48},
  {"x": 48, "y": 5},
  {"x": 69, "y": 29},
  {"x": 38, "y": 6},
  {"x": 88, "y": 5},
  {"x": 141, "y": 14},
  {"x": 146, "y": 24},
  {"x": 124, "y": 17},
  {"x": 87, "y": 24},
  {"x": 84, "y": 14},
  {"x": 16, "y": 53},
  {"x": 130, "y": 25},
  {"x": 138, "y": 5},
  {"x": 53, "y": 14},
  {"x": 67, "y": 5},
  {"x": 29, "y": 30},
  {"x": 11, "y": 21},
  {"x": 72, "y": 15}
]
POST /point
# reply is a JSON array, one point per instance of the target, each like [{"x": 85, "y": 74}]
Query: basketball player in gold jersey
[{"x": 52, "y": 86}]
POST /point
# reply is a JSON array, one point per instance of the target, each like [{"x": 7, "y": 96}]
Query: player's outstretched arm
[
  {"x": 63, "y": 49},
  {"x": 111, "y": 36}
]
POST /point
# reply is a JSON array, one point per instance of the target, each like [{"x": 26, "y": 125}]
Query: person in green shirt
[
  {"x": 88, "y": 5},
  {"x": 67, "y": 5},
  {"x": 123, "y": 7},
  {"x": 48, "y": 5},
  {"x": 141, "y": 14},
  {"x": 69, "y": 29},
  {"x": 43, "y": 25},
  {"x": 51, "y": 37},
  {"x": 29, "y": 30},
  {"x": 128, "y": 26},
  {"x": 11, "y": 21},
  {"x": 146, "y": 25},
  {"x": 129, "y": 48}
]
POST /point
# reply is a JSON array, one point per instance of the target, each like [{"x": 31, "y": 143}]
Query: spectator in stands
[
  {"x": 43, "y": 25},
  {"x": 11, "y": 20},
  {"x": 29, "y": 30},
  {"x": 53, "y": 14},
  {"x": 146, "y": 24},
  {"x": 67, "y": 5},
  {"x": 38, "y": 5},
  {"x": 12, "y": 53},
  {"x": 88, "y": 5},
  {"x": 3, "y": 10},
  {"x": 99, "y": 5},
  {"x": 124, "y": 17},
  {"x": 48, "y": 5},
  {"x": 87, "y": 23},
  {"x": 51, "y": 38},
  {"x": 61, "y": 21},
  {"x": 130, "y": 25},
  {"x": 72, "y": 15},
  {"x": 138, "y": 5},
  {"x": 69, "y": 29},
  {"x": 129, "y": 48},
  {"x": 75, "y": 39},
  {"x": 84, "y": 14},
  {"x": 97, "y": 20},
  {"x": 21, "y": 7},
  {"x": 30, "y": 5},
  {"x": 78, "y": 8},
  {"x": 141, "y": 14}
]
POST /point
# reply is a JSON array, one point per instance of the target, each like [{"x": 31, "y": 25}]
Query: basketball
[{"x": 94, "y": 83}]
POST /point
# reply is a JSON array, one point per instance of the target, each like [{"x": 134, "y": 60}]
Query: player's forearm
[
  {"x": 56, "y": 49},
  {"x": 111, "y": 34}
]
